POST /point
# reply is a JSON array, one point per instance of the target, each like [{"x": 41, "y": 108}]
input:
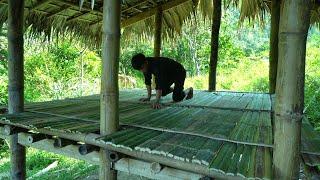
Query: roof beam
[
  {"x": 58, "y": 11},
  {"x": 152, "y": 2},
  {"x": 83, "y": 7},
  {"x": 77, "y": 16},
  {"x": 151, "y": 12},
  {"x": 137, "y": 9},
  {"x": 134, "y": 6},
  {"x": 39, "y": 3}
]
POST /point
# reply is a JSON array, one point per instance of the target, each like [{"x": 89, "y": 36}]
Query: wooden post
[
  {"x": 274, "y": 40},
  {"x": 294, "y": 24},
  {"x": 157, "y": 38},
  {"x": 109, "y": 113},
  {"x": 157, "y": 33},
  {"x": 16, "y": 82},
  {"x": 216, "y": 20}
]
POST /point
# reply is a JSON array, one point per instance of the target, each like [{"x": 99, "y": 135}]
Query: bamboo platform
[{"x": 217, "y": 133}]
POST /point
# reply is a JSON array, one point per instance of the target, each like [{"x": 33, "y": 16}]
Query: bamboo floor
[{"x": 226, "y": 132}]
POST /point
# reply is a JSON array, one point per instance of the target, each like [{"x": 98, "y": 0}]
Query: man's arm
[
  {"x": 156, "y": 104},
  {"x": 149, "y": 94},
  {"x": 147, "y": 81},
  {"x": 149, "y": 91},
  {"x": 158, "y": 96}
]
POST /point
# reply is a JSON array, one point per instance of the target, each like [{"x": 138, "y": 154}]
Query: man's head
[{"x": 139, "y": 62}]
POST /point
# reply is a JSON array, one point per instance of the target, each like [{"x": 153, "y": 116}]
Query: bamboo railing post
[
  {"x": 157, "y": 33},
  {"x": 109, "y": 113},
  {"x": 274, "y": 40},
  {"x": 294, "y": 24},
  {"x": 16, "y": 82},
  {"x": 216, "y": 20}
]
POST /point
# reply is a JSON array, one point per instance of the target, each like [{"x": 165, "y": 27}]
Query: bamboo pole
[
  {"x": 109, "y": 113},
  {"x": 216, "y": 20},
  {"x": 16, "y": 82},
  {"x": 157, "y": 34},
  {"x": 139, "y": 168},
  {"x": 157, "y": 38},
  {"x": 274, "y": 40},
  {"x": 70, "y": 151},
  {"x": 294, "y": 24}
]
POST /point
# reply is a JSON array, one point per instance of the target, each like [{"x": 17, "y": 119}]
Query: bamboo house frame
[{"x": 99, "y": 22}]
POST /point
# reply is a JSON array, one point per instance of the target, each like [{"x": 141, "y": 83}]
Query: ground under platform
[{"x": 219, "y": 133}]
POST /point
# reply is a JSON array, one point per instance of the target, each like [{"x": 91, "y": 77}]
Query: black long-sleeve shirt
[{"x": 165, "y": 70}]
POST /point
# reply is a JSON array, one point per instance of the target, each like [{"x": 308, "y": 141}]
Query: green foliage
[
  {"x": 3, "y": 70},
  {"x": 312, "y": 88}
]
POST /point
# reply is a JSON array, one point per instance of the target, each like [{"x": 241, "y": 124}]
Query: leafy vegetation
[{"x": 66, "y": 69}]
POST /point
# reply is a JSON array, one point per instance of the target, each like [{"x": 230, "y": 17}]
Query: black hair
[{"x": 137, "y": 61}]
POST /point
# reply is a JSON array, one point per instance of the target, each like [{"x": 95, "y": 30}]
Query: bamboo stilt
[
  {"x": 157, "y": 39},
  {"x": 16, "y": 82},
  {"x": 109, "y": 113},
  {"x": 216, "y": 20},
  {"x": 158, "y": 31},
  {"x": 274, "y": 40},
  {"x": 294, "y": 24}
]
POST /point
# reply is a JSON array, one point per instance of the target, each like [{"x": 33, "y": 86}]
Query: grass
[{"x": 37, "y": 160}]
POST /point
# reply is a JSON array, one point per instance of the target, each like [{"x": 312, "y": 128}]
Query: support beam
[
  {"x": 77, "y": 16},
  {"x": 134, "y": 6},
  {"x": 157, "y": 34},
  {"x": 58, "y": 11},
  {"x": 16, "y": 82},
  {"x": 216, "y": 21},
  {"x": 274, "y": 40},
  {"x": 142, "y": 168},
  {"x": 151, "y": 12},
  {"x": 109, "y": 97},
  {"x": 69, "y": 151},
  {"x": 294, "y": 24}
]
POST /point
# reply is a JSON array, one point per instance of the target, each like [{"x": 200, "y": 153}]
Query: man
[{"x": 166, "y": 72}]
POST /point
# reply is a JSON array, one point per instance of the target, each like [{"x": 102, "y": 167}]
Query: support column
[
  {"x": 294, "y": 24},
  {"x": 109, "y": 100},
  {"x": 216, "y": 21},
  {"x": 157, "y": 33},
  {"x": 16, "y": 82},
  {"x": 274, "y": 40}
]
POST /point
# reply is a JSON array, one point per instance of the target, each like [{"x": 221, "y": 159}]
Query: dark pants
[{"x": 178, "y": 93}]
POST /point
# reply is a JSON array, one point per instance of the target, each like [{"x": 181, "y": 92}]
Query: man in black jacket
[{"x": 166, "y": 72}]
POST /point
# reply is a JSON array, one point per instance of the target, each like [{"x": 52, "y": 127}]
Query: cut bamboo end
[
  {"x": 86, "y": 149},
  {"x": 32, "y": 138},
  {"x": 113, "y": 156},
  {"x": 155, "y": 167}
]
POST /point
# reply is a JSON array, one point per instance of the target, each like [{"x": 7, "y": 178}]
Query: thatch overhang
[{"x": 83, "y": 18}]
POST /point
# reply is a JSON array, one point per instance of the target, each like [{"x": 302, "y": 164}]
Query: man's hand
[
  {"x": 144, "y": 99},
  {"x": 156, "y": 105}
]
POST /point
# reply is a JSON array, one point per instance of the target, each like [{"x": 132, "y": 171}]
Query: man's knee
[
  {"x": 166, "y": 91},
  {"x": 178, "y": 96}
]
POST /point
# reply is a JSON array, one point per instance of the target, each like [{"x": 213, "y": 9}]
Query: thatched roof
[{"x": 83, "y": 18}]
